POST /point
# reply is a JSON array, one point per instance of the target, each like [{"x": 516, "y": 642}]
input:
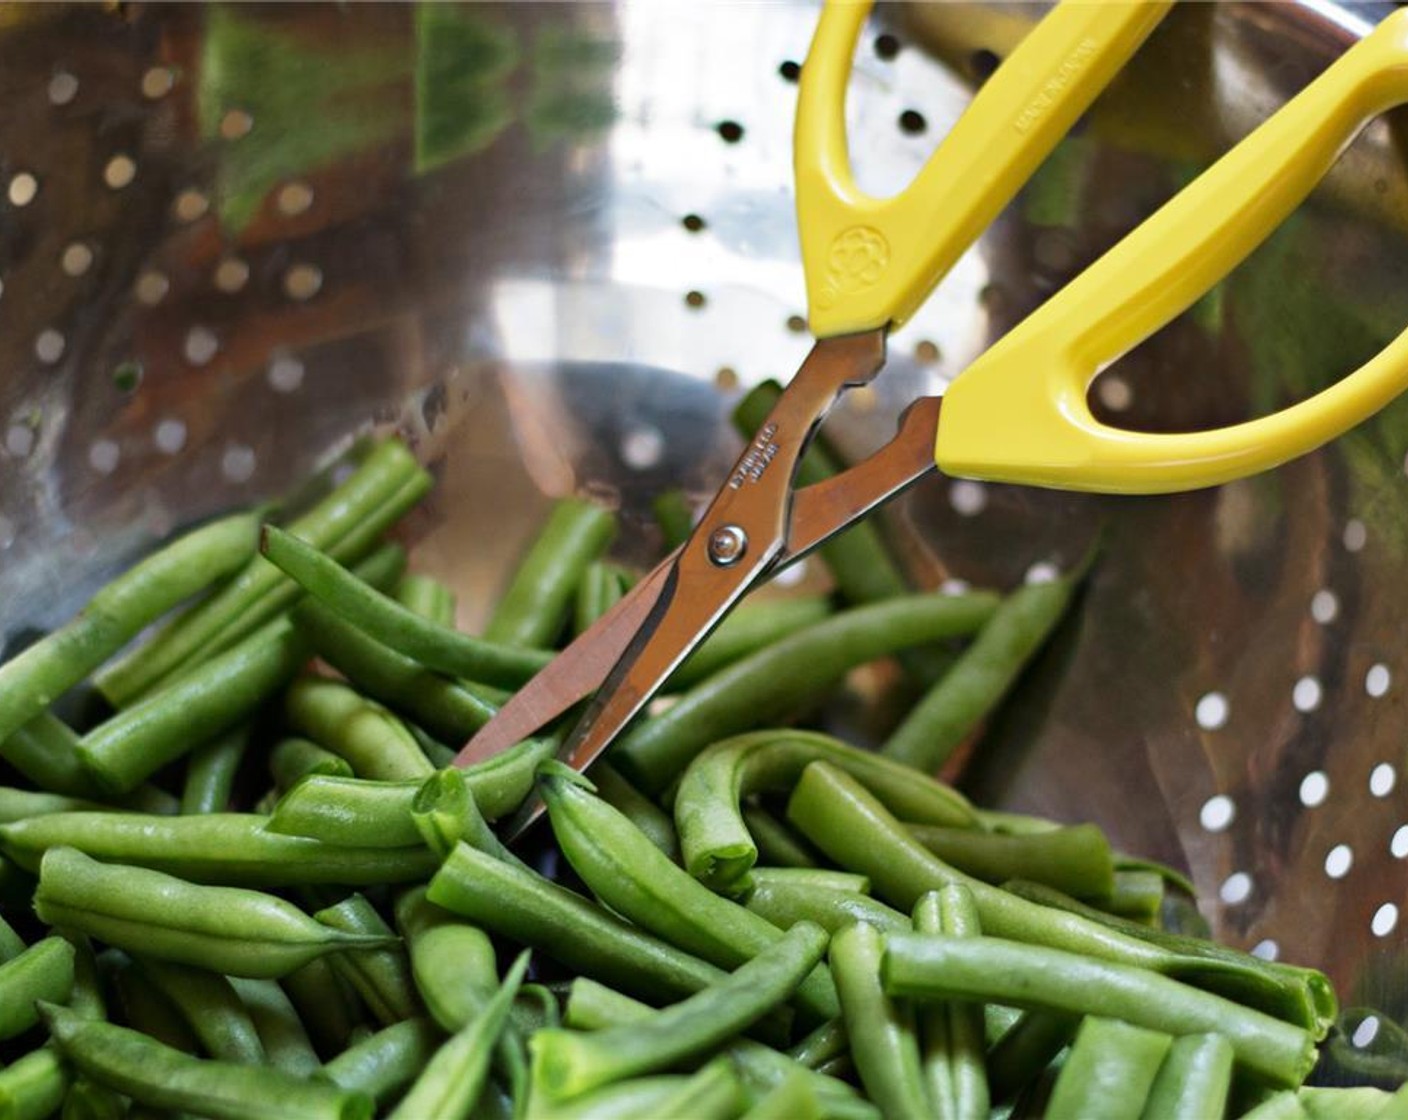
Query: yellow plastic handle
[
  {"x": 870, "y": 262},
  {"x": 1020, "y": 412}
]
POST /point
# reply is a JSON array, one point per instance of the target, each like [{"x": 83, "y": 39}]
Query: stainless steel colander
[{"x": 550, "y": 243}]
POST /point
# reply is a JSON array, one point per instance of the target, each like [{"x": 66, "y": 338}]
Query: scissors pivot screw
[{"x": 727, "y": 544}]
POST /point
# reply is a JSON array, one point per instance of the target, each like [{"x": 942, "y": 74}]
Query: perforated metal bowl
[{"x": 551, "y": 243}]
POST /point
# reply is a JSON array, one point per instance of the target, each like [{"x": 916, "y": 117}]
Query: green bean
[
  {"x": 534, "y": 606},
  {"x": 360, "y": 811},
  {"x": 884, "y": 1044},
  {"x": 1110, "y": 1070},
  {"x": 793, "y": 672},
  {"x": 777, "y": 844},
  {"x": 384, "y": 1063},
  {"x": 1396, "y": 1107},
  {"x": 713, "y": 1093},
  {"x": 155, "y": 1074},
  {"x": 327, "y": 1006},
  {"x": 30, "y": 682},
  {"x": 381, "y": 567},
  {"x": 1075, "y": 859},
  {"x": 87, "y": 1100},
  {"x": 276, "y": 1022},
  {"x": 87, "y": 996},
  {"x": 824, "y": 878},
  {"x": 951, "y": 1035},
  {"x": 142, "y": 1007},
  {"x": 1025, "y": 1049},
  {"x": 1284, "y": 1105},
  {"x": 640, "y": 1098},
  {"x": 854, "y": 829},
  {"x": 717, "y": 846},
  {"x": 452, "y": 962},
  {"x": 386, "y": 484},
  {"x": 141, "y": 739},
  {"x": 218, "y": 848},
  {"x": 1136, "y": 895},
  {"x": 785, "y": 903},
  {"x": 990, "y": 968},
  {"x": 210, "y": 773},
  {"x": 635, "y": 879},
  {"x": 826, "y": 1042},
  {"x": 20, "y": 804},
  {"x": 369, "y": 737},
  {"x": 437, "y": 647},
  {"x": 454, "y": 1077},
  {"x": 954, "y": 706},
  {"x": 652, "y": 820},
  {"x": 753, "y": 626},
  {"x": 857, "y": 559},
  {"x": 592, "y": 1006},
  {"x": 33, "y": 1087},
  {"x": 228, "y": 929},
  {"x": 1171, "y": 876},
  {"x": 45, "y": 750},
  {"x": 427, "y": 597},
  {"x": 381, "y": 972},
  {"x": 674, "y": 514},
  {"x": 445, "y": 708},
  {"x": 210, "y": 1006},
  {"x": 11, "y": 944},
  {"x": 601, "y": 589},
  {"x": 294, "y": 758},
  {"x": 567, "y": 1063},
  {"x": 44, "y": 971},
  {"x": 534, "y": 911},
  {"x": 1193, "y": 1081},
  {"x": 791, "y": 1099}
]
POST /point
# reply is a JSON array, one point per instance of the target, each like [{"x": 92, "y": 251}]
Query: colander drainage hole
[
  {"x": 1267, "y": 950},
  {"x": 23, "y": 188},
  {"x": 1398, "y": 846},
  {"x": 1382, "y": 779},
  {"x": 1377, "y": 680},
  {"x": 886, "y": 46},
  {"x": 731, "y": 132},
  {"x": 968, "y": 498},
  {"x": 1217, "y": 813},
  {"x": 169, "y": 436},
  {"x": 1338, "y": 861},
  {"x": 953, "y": 586},
  {"x": 1324, "y": 606},
  {"x": 912, "y": 122},
  {"x": 1211, "y": 711},
  {"x": 1314, "y": 789},
  {"x": 1306, "y": 694},
  {"x": 789, "y": 71},
  {"x": 1236, "y": 888},
  {"x": 984, "y": 64},
  {"x": 693, "y": 222},
  {"x": 1384, "y": 921}
]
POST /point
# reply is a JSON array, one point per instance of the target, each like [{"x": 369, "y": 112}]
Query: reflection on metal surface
[{"x": 502, "y": 269}]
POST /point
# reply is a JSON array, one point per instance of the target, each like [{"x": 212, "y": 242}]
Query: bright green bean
[
  {"x": 1284, "y": 1105},
  {"x": 652, "y": 820},
  {"x": 1193, "y": 1081},
  {"x": 785, "y": 903},
  {"x": 1357, "y": 1102},
  {"x": 713, "y": 1093},
  {"x": 437, "y": 647},
  {"x": 294, "y": 758},
  {"x": 30, "y": 682},
  {"x": 219, "y": 848},
  {"x": 717, "y": 846},
  {"x": 791, "y": 1099},
  {"x": 45, "y": 750},
  {"x": 534, "y": 606},
  {"x": 884, "y": 1044},
  {"x": 278, "y": 1026},
  {"x": 157, "y": 1075},
  {"x": 33, "y": 1086},
  {"x": 638, "y": 881},
  {"x": 753, "y": 626},
  {"x": 20, "y": 804},
  {"x": 1075, "y": 859},
  {"x": 989, "y": 968},
  {"x": 825, "y": 878},
  {"x": 568, "y": 1063},
  {"x": 386, "y": 484},
  {"x": 454, "y": 1077},
  {"x": 1136, "y": 895},
  {"x": 951, "y": 1034},
  {"x": 374, "y": 741},
  {"x": 141, "y": 739},
  {"x": 452, "y": 962},
  {"x": 600, "y": 589},
  {"x": 791, "y": 673},
  {"x": 427, "y": 597},
  {"x": 447, "y": 709},
  {"x": 359, "y": 811},
  {"x": 1109, "y": 1072},
  {"x": 954, "y": 706},
  {"x": 381, "y": 972},
  {"x": 210, "y": 772},
  {"x": 44, "y": 971},
  {"x": 384, "y": 1063},
  {"x": 854, "y": 829},
  {"x": 231, "y": 930},
  {"x": 211, "y": 1007}
]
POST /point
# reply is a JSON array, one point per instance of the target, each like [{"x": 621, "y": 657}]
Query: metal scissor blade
[{"x": 571, "y": 676}]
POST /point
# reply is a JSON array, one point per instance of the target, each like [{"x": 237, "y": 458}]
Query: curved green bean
[
  {"x": 294, "y": 758},
  {"x": 1109, "y": 1071},
  {"x": 154, "y": 1074},
  {"x": 210, "y": 772},
  {"x": 718, "y": 848},
  {"x": 211, "y": 1007},
  {"x": 652, "y": 820},
  {"x": 954, "y": 706},
  {"x": 370, "y": 738},
  {"x": 281, "y": 1033},
  {"x": 437, "y": 647},
  {"x": 44, "y": 971},
  {"x": 785, "y": 903},
  {"x": 753, "y": 626},
  {"x": 790, "y": 674},
  {"x": 34, "y": 679},
  {"x": 383, "y": 487},
  {"x": 1025, "y": 975},
  {"x": 568, "y": 1063},
  {"x": 1075, "y": 859},
  {"x": 636, "y": 880},
  {"x": 384, "y": 1063},
  {"x": 228, "y": 929},
  {"x": 535, "y": 604},
  {"x": 1194, "y": 1079}
]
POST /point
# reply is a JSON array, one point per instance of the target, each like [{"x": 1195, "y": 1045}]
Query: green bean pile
[{"x": 252, "y": 885}]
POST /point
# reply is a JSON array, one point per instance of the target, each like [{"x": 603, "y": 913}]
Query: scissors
[{"x": 1019, "y": 413}]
